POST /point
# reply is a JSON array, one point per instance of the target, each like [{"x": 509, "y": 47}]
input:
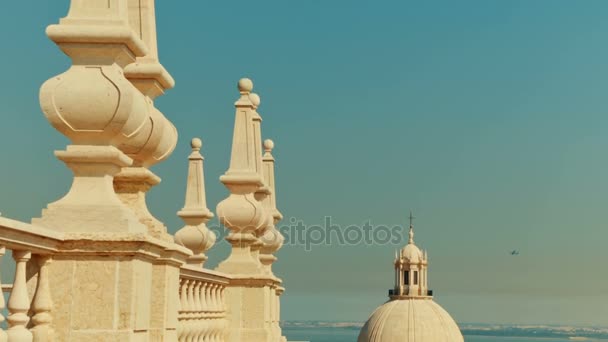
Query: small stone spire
[
  {"x": 272, "y": 238},
  {"x": 195, "y": 235},
  {"x": 263, "y": 192},
  {"x": 240, "y": 212}
]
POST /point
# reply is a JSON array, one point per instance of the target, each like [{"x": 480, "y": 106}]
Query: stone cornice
[
  {"x": 197, "y": 273},
  {"x": 21, "y": 235},
  {"x": 94, "y": 34},
  {"x": 254, "y": 281},
  {"x": 39, "y": 240}
]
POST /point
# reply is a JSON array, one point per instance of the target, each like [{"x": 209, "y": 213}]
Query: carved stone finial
[
  {"x": 195, "y": 235},
  {"x": 272, "y": 239},
  {"x": 241, "y": 212}
]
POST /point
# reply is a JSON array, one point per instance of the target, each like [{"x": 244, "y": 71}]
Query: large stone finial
[
  {"x": 157, "y": 138},
  {"x": 241, "y": 213},
  {"x": 195, "y": 235},
  {"x": 95, "y": 106},
  {"x": 272, "y": 239}
]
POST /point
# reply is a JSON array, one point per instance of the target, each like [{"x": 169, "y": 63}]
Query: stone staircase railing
[
  {"x": 30, "y": 304},
  {"x": 202, "y": 312}
]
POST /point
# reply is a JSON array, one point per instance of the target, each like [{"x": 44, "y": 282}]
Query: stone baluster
[
  {"x": 218, "y": 299},
  {"x": 197, "y": 316},
  {"x": 223, "y": 321},
  {"x": 223, "y": 298},
  {"x": 208, "y": 297},
  {"x": 272, "y": 239},
  {"x": 241, "y": 213},
  {"x": 197, "y": 296},
  {"x": 42, "y": 305},
  {"x": 212, "y": 296},
  {"x": 19, "y": 302},
  {"x": 3, "y": 336},
  {"x": 191, "y": 304},
  {"x": 205, "y": 326},
  {"x": 179, "y": 306},
  {"x": 184, "y": 309},
  {"x": 191, "y": 317},
  {"x": 195, "y": 235},
  {"x": 203, "y": 297}
]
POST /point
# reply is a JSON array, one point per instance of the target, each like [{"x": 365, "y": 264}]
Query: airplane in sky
[{"x": 514, "y": 252}]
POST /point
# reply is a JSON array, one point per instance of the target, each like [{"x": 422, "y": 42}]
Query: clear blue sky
[{"x": 487, "y": 118}]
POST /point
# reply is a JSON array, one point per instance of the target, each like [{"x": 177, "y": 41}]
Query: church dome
[
  {"x": 411, "y": 320},
  {"x": 411, "y": 315},
  {"x": 412, "y": 253}
]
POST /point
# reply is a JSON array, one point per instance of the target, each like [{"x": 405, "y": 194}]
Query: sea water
[{"x": 350, "y": 335}]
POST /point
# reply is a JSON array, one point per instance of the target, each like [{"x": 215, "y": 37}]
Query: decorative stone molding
[
  {"x": 241, "y": 213},
  {"x": 195, "y": 235}
]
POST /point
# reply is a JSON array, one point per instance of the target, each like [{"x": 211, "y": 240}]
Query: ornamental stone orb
[
  {"x": 255, "y": 100},
  {"x": 245, "y": 85},
  {"x": 268, "y": 145},
  {"x": 196, "y": 144}
]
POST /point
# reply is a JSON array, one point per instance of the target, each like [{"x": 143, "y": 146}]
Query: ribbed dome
[
  {"x": 410, "y": 320},
  {"x": 412, "y": 253}
]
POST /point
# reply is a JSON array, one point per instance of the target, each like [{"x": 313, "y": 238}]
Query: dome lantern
[{"x": 410, "y": 270}]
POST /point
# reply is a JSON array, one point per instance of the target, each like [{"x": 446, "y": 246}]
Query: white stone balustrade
[
  {"x": 202, "y": 313},
  {"x": 31, "y": 248}
]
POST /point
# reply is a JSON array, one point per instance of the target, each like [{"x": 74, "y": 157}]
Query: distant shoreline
[{"x": 573, "y": 333}]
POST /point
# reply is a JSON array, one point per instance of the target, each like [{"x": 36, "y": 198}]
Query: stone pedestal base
[
  {"x": 240, "y": 261},
  {"x": 249, "y": 309},
  {"x": 131, "y": 185},
  {"x": 91, "y": 204},
  {"x": 118, "y": 288}
]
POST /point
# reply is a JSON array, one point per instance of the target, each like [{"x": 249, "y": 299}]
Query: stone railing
[
  {"x": 29, "y": 305},
  {"x": 202, "y": 312}
]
